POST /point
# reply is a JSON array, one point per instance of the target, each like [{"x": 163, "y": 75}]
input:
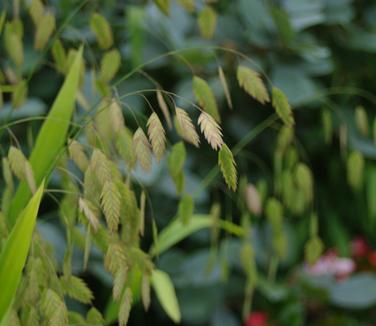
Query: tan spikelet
[
  {"x": 89, "y": 212},
  {"x": 141, "y": 147},
  {"x": 211, "y": 130},
  {"x": 164, "y": 108},
  {"x": 226, "y": 90},
  {"x": 187, "y": 129},
  {"x": 157, "y": 136}
]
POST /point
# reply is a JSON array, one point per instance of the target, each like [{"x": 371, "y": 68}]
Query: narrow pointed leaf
[
  {"x": 51, "y": 137},
  {"x": 15, "y": 251}
]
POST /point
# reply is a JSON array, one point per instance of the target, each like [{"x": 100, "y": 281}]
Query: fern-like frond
[
  {"x": 186, "y": 128},
  {"x": 211, "y": 130},
  {"x": 227, "y": 165},
  {"x": 252, "y": 83},
  {"x": 157, "y": 136}
]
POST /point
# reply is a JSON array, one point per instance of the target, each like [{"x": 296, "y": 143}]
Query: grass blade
[
  {"x": 15, "y": 251},
  {"x": 51, "y": 137},
  {"x": 177, "y": 231}
]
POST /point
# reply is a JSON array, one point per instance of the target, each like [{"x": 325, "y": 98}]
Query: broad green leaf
[
  {"x": 356, "y": 292},
  {"x": 166, "y": 295},
  {"x": 177, "y": 231},
  {"x": 51, "y": 137},
  {"x": 15, "y": 251}
]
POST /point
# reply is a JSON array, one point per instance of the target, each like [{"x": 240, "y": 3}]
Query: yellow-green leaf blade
[
  {"x": 51, "y": 137},
  {"x": 15, "y": 251}
]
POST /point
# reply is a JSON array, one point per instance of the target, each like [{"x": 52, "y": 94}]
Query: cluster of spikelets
[{"x": 105, "y": 193}]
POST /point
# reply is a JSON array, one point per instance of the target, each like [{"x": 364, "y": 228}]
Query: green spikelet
[
  {"x": 304, "y": 180},
  {"x": 7, "y": 174},
  {"x": 36, "y": 11},
  {"x": 125, "y": 307},
  {"x": 45, "y": 28},
  {"x": 145, "y": 291},
  {"x": 142, "y": 150},
  {"x": 54, "y": 309},
  {"x": 205, "y": 97},
  {"x": 110, "y": 64},
  {"x": 188, "y": 5},
  {"x": 102, "y": 30},
  {"x": 94, "y": 318},
  {"x": 119, "y": 282},
  {"x": 355, "y": 168},
  {"x": 327, "y": 126},
  {"x": 110, "y": 202},
  {"x": 225, "y": 87},
  {"x": 131, "y": 215},
  {"x": 186, "y": 208},
  {"x": 282, "y": 107},
  {"x": 164, "y": 6},
  {"x": 207, "y": 22},
  {"x": 77, "y": 154},
  {"x": 13, "y": 45},
  {"x": 252, "y": 83},
  {"x": 59, "y": 55},
  {"x": 361, "y": 120},
  {"x": 17, "y": 162},
  {"x": 115, "y": 258},
  {"x": 227, "y": 164},
  {"x": 175, "y": 161},
  {"x": 157, "y": 136},
  {"x": 314, "y": 246},
  {"x": 288, "y": 189},
  {"x": 285, "y": 137},
  {"x": 19, "y": 94},
  {"x": 274, "y": 213},
  {"x": 124, "y": 146},
  {"x": 76, "y": 288}
]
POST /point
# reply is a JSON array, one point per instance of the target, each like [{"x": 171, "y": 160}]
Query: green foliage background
[{"x": 320, "y": 53}]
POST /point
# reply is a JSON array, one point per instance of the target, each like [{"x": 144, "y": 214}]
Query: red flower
[
  {"x": 359, "y": 247},
  {"x": 372, "y": 258},
  {"x": 257, "y": 318}
]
